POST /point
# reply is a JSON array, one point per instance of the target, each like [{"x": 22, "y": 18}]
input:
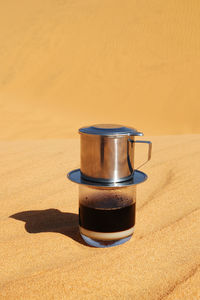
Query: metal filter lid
[{"x": 109, "y": 130}]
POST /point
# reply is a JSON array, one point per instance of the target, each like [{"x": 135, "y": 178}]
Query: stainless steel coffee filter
[{"x": 107, "y": 152}]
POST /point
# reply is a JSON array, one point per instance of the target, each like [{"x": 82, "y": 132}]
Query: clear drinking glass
[{"x": 106, "y": 215}]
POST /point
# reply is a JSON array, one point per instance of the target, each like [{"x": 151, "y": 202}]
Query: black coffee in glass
[{"x": 106, "y": 218}]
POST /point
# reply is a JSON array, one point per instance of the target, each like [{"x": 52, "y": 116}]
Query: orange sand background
[{"x": 65, "y": 64}]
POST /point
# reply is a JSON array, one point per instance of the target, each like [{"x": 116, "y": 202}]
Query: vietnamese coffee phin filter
[{"x": 107, "y": 183}]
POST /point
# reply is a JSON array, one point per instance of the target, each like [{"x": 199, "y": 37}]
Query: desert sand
[
  {"x": 66, "y": 64},
  {"x": 42, "y": 254}
]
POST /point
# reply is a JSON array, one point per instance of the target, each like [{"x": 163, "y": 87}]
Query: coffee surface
[
  {"x": 107, "y": 201},
  {"x": 107, "y": 220}
]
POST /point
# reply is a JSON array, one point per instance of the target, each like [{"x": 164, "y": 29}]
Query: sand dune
[
  {"x": 42, "y": 254},
  {"x": 67, "y": 64}
]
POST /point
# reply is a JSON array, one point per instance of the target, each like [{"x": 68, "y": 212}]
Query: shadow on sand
[{"x": 51, "y": 220}]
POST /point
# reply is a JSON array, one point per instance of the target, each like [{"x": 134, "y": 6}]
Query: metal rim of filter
[{"x": 136, "y": 178}]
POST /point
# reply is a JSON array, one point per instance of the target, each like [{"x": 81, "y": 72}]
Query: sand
[
  {"x": 66, "y": 64},
  {"x": 42, "y": 254}
]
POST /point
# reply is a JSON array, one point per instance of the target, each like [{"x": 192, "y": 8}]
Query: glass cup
[{"x": 106, "y": 215}]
